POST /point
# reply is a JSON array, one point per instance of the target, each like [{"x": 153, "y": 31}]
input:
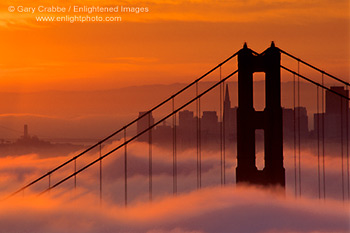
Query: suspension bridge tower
[{"x": 269, "y": 120}]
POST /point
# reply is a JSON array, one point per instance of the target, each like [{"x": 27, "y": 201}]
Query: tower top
[
  {"x": 245, "y": 46},
  {"x": 273, "y": 44}
]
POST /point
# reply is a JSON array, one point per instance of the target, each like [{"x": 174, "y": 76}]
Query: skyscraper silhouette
[
  {"x": 143, "y": 124},
  {"x": 334, "y": 115},
  {"x": 230, "y": 118}
]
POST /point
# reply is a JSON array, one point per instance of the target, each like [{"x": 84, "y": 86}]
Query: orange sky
[{"x": 176, "y": 41}]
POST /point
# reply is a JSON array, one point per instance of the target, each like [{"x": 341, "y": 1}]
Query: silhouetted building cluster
[
  {"x": 291, "y": 127},
  {"x": 189, "y": 126},
  {"x": 210, "y": 125},
  {"x": 334, "y": 117},
  {"x": 186, "y": 130},
  {"x": 32, "y": 141}
]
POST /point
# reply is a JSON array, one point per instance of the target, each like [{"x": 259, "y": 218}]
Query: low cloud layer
[{"x": 211, "y": 209}]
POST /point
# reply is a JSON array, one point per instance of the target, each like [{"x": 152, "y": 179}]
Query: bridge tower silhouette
[
  {"x": 269, "y": 120},
  {"x": 248, "y": 121}
]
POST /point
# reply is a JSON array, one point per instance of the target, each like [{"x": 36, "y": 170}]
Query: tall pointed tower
[
  {"x": 229, "y": 119},
  {"x": 227, "y": 101}
]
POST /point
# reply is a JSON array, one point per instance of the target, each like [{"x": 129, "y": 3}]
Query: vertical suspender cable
[
  {"x": 197, "y": 133},
  {"x": 49, "y": 182},
  {"x": 299, "y": 130},
  {"x": 294, "y": 136},
  {"x": 342, "y": 148},
  {"x": 221, "y": 130},
  {"x": 323, "y": 144},
  {"x": 175, "y": 156},
  {"x": 199, "y": 156},
  {"x": 100, "y": 175},
  {"x": 150, "y": 158},
  {"x": 174, "y": 150},
  {"x": 200, "y": 144},
  {"x": 347, "y": 143},
  {"x": 125, "y": 171},
  {"x": 318, "y": 147},
  {"x": 75, "y": 176},
  {"x": 224, "y": 137}
]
